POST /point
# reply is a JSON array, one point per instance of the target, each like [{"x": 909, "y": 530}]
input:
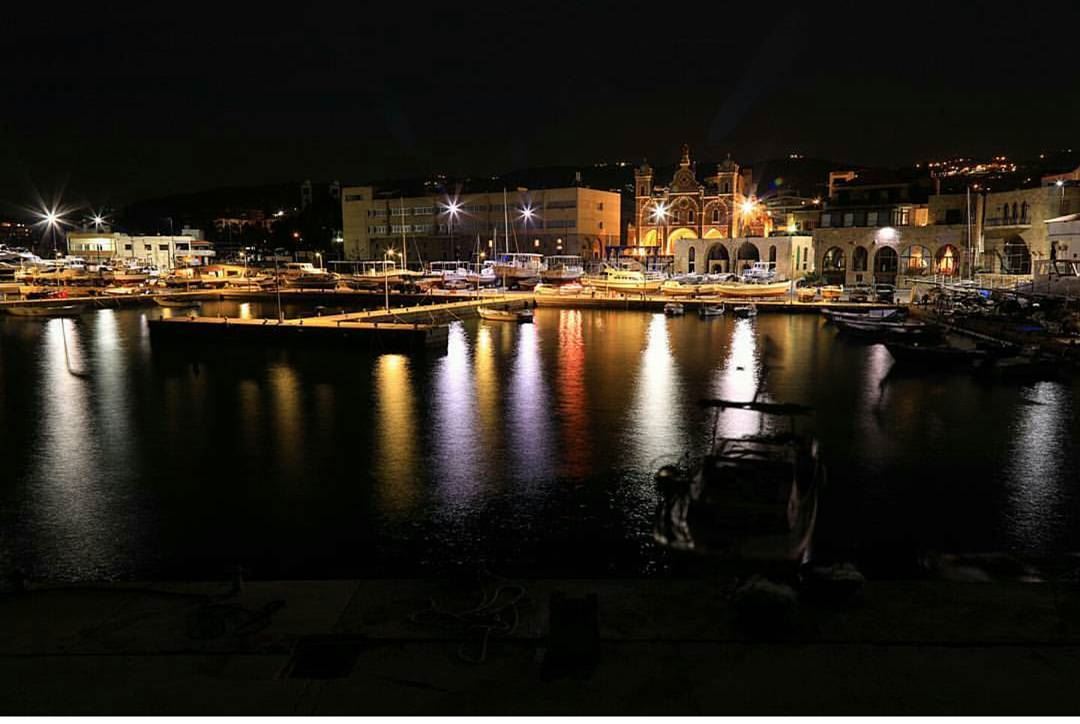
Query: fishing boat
[
  {"x": 750, "y": 500},
  {"x": 749, "y": 291},
  {"x": 679, "y": 288},
  {"x": 711, "y": 310},
  {"x": 882, "y": 329},
  {"x": 497, "y": 314},
  {"x": 177, "y": 302},
  {"x": 833, "y": 291},
  {"x": 561, "y": 290},
  {"x": 515, "y": 269},
  {"x": 866, "y": 315},
  {"x": 936, "y": 355},
  {"x": 566, "y": 268},
  {"x": 624, "y": 280},
  {"x": 46, "y": 310},
  {"x": 745, "y": 311},
  {"x": 674, "y": 309}
]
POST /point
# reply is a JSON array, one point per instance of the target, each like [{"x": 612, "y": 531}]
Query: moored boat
[
  {"x": 46, "y": 310},
  {"x": 624, "y": 280},
  {"x": 711, "y": 310},
  {"x": 674, "y": 309},
  {"x": 498, "y": 314},
  {"x": 748, "y": 291},
  {"x": 177, "y": 302},
  {"x": 562, "y": 269},
  {"x": 745, "y": 311}
]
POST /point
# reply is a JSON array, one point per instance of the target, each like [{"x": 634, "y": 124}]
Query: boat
[
  {"x": 866, "y": 315},
  {"x": 678, "y": 288},
  {"x": 936, "y": 355},
  {"x": 760, "y": 272},
  {"x": 561, "y": 290},
  {"x": 562, "y": 269},
  {"x": 750, "y": 500},
  {"x": 497, "y": 314},
  {"x": 46, "y": 310},
  {"x": 674, "y": 309},
  {"x": 881, "y": 329},
  {"x": 374, "y": 274},
  {"x": 122, "y": 291},
  {"x": 515, "y": 269},
  {"x": 624, "y": 280},
  {"x": 745, "y": 311},
  {"x": 711, "y": 310},
  {"x": 177, "y": 302},
  {"x": 749, "y": 291},
  {"x": 832, "y": 291}
]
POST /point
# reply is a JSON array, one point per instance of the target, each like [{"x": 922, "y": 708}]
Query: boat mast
[{"x": 404, "y": 245}]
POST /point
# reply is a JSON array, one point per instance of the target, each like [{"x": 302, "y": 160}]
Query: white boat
[
  {"x": 304, "y": 275},
  {"x": 373, "y": 274},
  {"x": 624, "y": 280},
  {"x": 513, "y": 268},
  {"x": 745, "y": 311},
  {"x": 711, "y": 310},
  {"x": 47, "y": 310},
  {"x": 562, "y": 269},
  {"x": 674, "y": 309},
  {"x": 496, "y": 314},
  {"x": 759, "y": 273}
]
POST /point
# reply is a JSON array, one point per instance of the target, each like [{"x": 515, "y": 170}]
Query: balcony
[{"x": 1021, "y": 220}]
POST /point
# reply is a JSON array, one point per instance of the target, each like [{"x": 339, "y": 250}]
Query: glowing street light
[
  {"x": 453, "y": 208},
  {"x": 52, "y": 219},
  {"x": 749, "y": 206}
]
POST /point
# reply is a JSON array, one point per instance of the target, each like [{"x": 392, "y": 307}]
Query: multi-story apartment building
[
  {"x": 571, "y": 220},
  {"x": 165, "y": 252}
]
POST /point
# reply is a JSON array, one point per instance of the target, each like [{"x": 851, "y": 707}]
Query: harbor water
[{"x": 529, "y": 449}]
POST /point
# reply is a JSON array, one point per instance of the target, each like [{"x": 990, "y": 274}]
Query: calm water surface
[{"x": 529, "y": 448}]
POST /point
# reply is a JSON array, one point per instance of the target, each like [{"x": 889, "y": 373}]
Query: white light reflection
[
  {"x": 458, "y": 451},
  {"x": 527, "y": 411},
  {"x": 69, "y": 507},
  {"x": 738, "y": 380},
  {"x": 656, "y": 423},
  {"x": 1036, "y": 465}
]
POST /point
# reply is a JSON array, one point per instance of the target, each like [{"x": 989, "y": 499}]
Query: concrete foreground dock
[{"x": 669, "y": 646}]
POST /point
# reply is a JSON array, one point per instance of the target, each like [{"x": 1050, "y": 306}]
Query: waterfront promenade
[{"x": 663, "y": 647}]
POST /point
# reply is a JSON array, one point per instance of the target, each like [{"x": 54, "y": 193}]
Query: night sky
[{"x": 120, "y": 105}]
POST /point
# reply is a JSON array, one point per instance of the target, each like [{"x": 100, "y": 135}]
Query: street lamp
[
  {"x": 526, "y": 216},
  {"x": 453, "y": 208},
  {"x": 318, "y": 257},
  {"x": 52, "y": 220},
  {"x": 660, "y": 215},
  {"x": 1060, "y": 183}
]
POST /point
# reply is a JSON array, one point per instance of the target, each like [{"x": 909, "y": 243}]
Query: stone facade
[
  {"x": 792, "y": 256},
  {"x": 722, "y": 207}
]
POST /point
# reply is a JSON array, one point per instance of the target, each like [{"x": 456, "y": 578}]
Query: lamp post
[
  {"x": 1060, "y": 183},
  {"x": 452, "y": 210},
  {"x": 660, "y": 215},
  {"x": 526, "y": 215}
]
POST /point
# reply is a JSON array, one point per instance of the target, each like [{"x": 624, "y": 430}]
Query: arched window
[
  {"x": 1023, "y": 212},
  {"x": 691, "y": 216},
  {"x": 716, "y": 215},
  {"x": 1014, "y": 211},
  {"x": 691, "y": 260},
  {"x": 859, "y": 259},
  {"x": 772, "y": 254}
]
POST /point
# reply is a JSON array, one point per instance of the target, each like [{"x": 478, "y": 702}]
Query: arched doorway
[
  {"x": 718, "y": 261},
  {"x": 886, "y": 262},
  {"x": 1015, "y": 257},
  {"x": 916, "y": 260},
  {"x": 859, "y": 259},
  {"x": 649, "y": 238},
  {"x": 947, "y": 261},
  {"x": 833, "y": 266},
  {"x": 691, "y": 261},
  {"x": 681, "y": 233},
  {"x": 745, "y": 256}
]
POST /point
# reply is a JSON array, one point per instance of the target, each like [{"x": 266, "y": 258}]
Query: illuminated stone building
[{"x": 720, "y": 207}]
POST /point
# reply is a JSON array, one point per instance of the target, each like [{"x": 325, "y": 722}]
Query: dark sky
[{"x": 116, "y": 105}]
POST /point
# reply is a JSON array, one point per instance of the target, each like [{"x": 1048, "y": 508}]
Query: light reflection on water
[
  {"x": 1039, "y": 462},
  {"x": 537, "y": 443},
  {"x": 396, "y": 446}
]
